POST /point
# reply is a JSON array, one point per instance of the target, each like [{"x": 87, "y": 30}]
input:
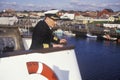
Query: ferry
[{"x": 17, "y": 62}]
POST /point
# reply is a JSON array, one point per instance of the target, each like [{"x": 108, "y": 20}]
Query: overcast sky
[{"x": 81, "y": 5}]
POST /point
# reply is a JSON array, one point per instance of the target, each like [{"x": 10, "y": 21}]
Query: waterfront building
[{"x": 8, "y": 20}]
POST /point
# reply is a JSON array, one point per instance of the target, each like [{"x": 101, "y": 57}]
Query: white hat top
[{"x": 51, "y": 12}]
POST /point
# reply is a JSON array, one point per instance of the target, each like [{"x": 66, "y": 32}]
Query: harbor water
[{"x": 98, "y": 60}]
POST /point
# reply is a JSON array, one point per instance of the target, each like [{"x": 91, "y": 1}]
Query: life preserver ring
[{"x": 43, "y": 69}]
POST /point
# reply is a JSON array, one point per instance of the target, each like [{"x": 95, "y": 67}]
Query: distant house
[
  {"x": 70, "y": 16},
  {"x": 118, "y": 14},
  {"x": 105, "y": 14},
  {"x": 8, "y": 20},
  {"x": 78, "y": 17},
  {"x": 21, "y": 14},
  {"x": 91, "y": 14},
  {"x": 111, "y": 25},
  {"x": 111, "y": 18},
  {"x": 115, "y": 17},
  {"x": 8, "y": 13}
]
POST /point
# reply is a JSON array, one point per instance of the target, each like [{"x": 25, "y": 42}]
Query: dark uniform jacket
[{"x": 42, "y": 36}]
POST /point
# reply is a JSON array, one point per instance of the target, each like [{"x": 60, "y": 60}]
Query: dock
[{"x": 80, "y": 29}]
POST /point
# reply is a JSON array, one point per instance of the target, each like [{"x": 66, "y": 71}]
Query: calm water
[{"x": 98, "y": 60}]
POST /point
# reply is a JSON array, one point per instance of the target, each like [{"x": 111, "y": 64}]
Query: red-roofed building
[{"x": 105, "y": 13}]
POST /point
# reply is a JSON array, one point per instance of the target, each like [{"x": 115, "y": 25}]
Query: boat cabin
[{"x": 10, "y": 39}]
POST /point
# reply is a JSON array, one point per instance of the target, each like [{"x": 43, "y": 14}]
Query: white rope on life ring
[{"x": 43, "y": 69}]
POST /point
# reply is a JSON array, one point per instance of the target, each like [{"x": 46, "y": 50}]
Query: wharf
[
  {"x": 80, "y": 28},
  {"x": 93, "y": 30}
]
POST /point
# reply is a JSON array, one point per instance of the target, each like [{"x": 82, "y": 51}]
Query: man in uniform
[{"x": 42, "y": 36}]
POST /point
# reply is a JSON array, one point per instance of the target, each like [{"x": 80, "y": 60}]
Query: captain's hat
[{"x": 53, "y": 14}]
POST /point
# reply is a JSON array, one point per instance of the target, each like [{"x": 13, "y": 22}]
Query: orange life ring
[{"x": 43, "y": 69}]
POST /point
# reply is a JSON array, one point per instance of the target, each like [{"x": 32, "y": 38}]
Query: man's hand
[
  {"x": 63, "y": 41},
  {"x": 57, "y": 45}
]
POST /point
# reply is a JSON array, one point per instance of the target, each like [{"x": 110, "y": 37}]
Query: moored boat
[
  {"x": 107, "y": 37},
  {"x": 91, "y": 36},
  {"x": 69, "y": 33}
]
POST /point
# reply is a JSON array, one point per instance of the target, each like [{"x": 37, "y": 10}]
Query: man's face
[{"x": 51, "y": 22}]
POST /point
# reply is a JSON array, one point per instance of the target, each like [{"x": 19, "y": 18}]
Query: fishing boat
[
  {"x": 91, "y": 36},
  {"x": 108, "y": 37},
  {"x": 17, "y": 62}
]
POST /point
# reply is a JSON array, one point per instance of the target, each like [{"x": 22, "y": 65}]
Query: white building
[
  {"x": 68, "y": 16},
  {"x": 112, "y": 25},
  {"x": 8, "y": 20}
]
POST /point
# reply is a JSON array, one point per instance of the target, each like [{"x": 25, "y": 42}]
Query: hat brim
[{"x": 53, "y": 16}]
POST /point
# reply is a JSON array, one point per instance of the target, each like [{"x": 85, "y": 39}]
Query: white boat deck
[
  {"x": 13, "y": 64},
  {"x": 63, "y": 63}
]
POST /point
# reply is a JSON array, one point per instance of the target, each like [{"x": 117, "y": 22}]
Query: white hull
[
  {"x": 91, "y": 36},
  {"x": 111, "y": 38},
  {"x": 13, "y": 65},
  {"x": 63, "y": 63},
  {"x": 69, "y": 33}
]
